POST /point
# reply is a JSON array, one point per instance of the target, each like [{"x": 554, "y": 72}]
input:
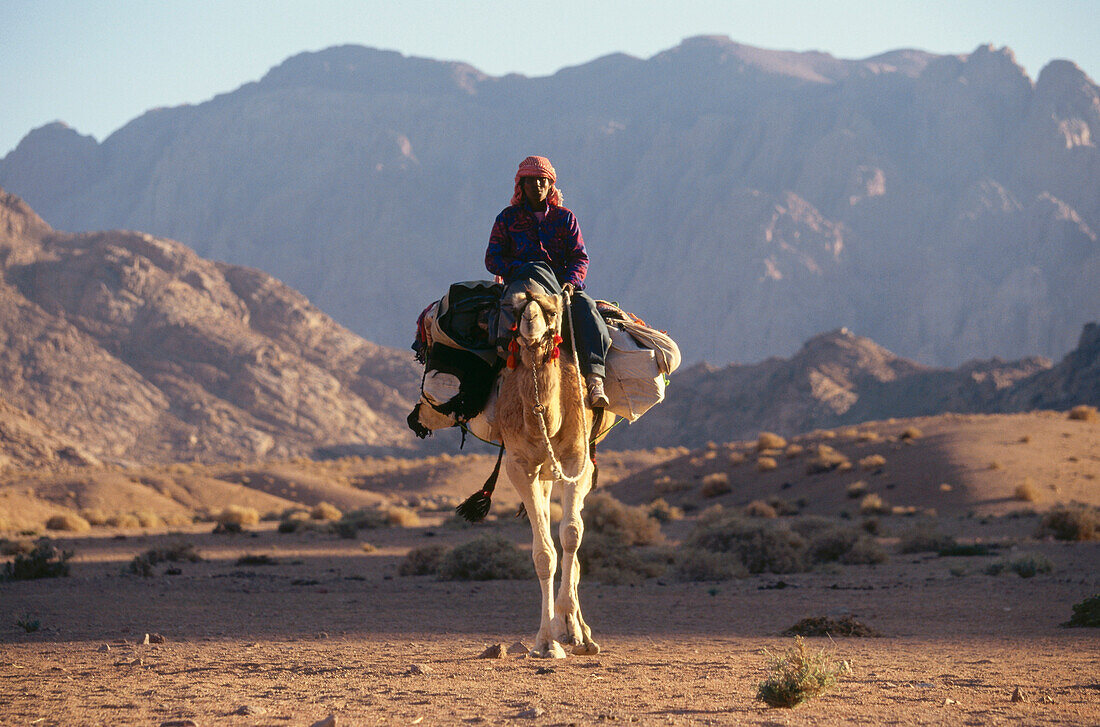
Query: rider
[{"x": 535, "y": 228}]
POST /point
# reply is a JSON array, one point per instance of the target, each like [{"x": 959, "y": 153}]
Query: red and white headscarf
[{"x": 537, "y": 167}]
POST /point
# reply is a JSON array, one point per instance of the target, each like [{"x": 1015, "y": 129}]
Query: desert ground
[{"x": 290, "y": 624}]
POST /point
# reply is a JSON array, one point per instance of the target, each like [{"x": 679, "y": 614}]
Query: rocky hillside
[
  {"x": 744, "y": 199},
  {"x": 125, "y": 346},
  {"x": 839, "y": 379}
]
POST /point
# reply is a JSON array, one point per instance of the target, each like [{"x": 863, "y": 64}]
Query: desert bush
[
  {"x": 873, "y": 504},
  {"x": 253, "y": 559},
  {"x": 1086, "y": 613},
  {"x": 865, "y": 551},
  {"x": 798, "y": 676},
  {"x": 238, "y": 515},
  {"x": 911, "y": 433},
  {"x": 1025, "y": 566},
  {"x": 826, "y": 459},
  {"x": 924, "y": 539},
  {"x": 1026, "y": 491},
  {"x": 964, "y": 551},
  {"x": 123, "y": 520},
  {"x": 856, "y": 489},
  {"x": 142, "y": 565},
  {"x": 325, "y": 511},
  {"x": 632, "y": 525},
  {"x": 44, "y": 561},
  {"x": 770, "y": 440},
  {"x": 695, "y": 564},
  {"x": 1071, "y": 522},
  {"x": 422, "y": 561},
  {"x": 366, "y": 518},
  {"x": 177, "y": 519},
  {"x": 487, "y": 557},
  {"x": 94, "y": 516},
  {"x": 868, "y": 436},
  {"x": 665, "y": 485},
  {"x": 662, "y": 512},
  {"x": 825, "y": 626},
  {"x": 872, "y": 462},
  {"x": 715, "y": 484},
  {"x": 402, "y": 517},
  {"x": 68, "y": 522},
  {"x": 605, "y": 558},
  {"x": 737, "y": 457},
  {"x": 148, "y": 519},
  {"x": 1084, "y": 413},
  {"x": 15, "y": 547},
  {"x": 761, "y": 545},
  {"x": 759, "y": 508},
  {"x": 793, "y": 450},
  {"x": 766, "y": 464}
]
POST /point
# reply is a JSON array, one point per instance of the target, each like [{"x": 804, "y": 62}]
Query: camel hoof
[
  {"x": 552, "y": 651},
  {"x": 589, "y": 649}
]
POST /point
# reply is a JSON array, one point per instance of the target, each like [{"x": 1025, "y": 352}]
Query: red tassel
[
  {"x": 554, "y": 354},
  {"x": 557, "y": 339},
  {"x": 513, "y": 346},
  {"x": 511, "y": 363}
]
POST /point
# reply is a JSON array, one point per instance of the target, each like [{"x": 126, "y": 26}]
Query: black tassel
[
  {"x": 476, "y": 506},
  {"x": 414, "y": 423}
]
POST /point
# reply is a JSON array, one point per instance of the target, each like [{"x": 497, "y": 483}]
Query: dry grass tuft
[
  {"x": 1027, "y": 565},
  {"x": 793, "y": 450},
  {"x": 696, "y": 565},
  {"x": 737, "y": 457},
  {"x": 715, "y": 484},
  {"x": 1084, "y": 413},
  {"x": 124, "y": 520},
  {"x": 94, "y": 516},
  {"x": 759, "y": 508},
  {"x": 663, "y": 512},
  {"x": 826, "y": 459},
  {"x": 148, "y": 519},
  {"x": 766, "y": 464},
  {"x": 762, "y": 545},
  {"x": 1026, "y": 491},
  {"x": 423, "y": 561},
  {"x": 872, "y": 462},
  {"x": 68, "y": 522},
  {"x": 630, "y": 525},
  {"x": 485, "y": 558},
  {"x": 798, "y": 676},
  {"x": 770, "y": 440},
  {"x": 911, "y": 433},
  {"x": 925, "y": 539},
  {"x": 873, "y": 504},
  {"x": 402, "y": 517},
  {"x": 1071, "y": 522},
  {"x": 325, "y": 511},
  {"x": 856, "y": 489},
  {"x": 665, "y": 485},
  {"x": 238, "y": 515}
]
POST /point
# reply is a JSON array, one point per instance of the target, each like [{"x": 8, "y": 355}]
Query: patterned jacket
[{"x": 518, "y": 237}]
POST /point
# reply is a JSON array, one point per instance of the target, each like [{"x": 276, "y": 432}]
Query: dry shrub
[
  {"x": 995, "y": 465},
  {"x": 402, "y": 517},
  {"x": 766, "y": 464},
  {"x": 715, "y": 484},
  {"x": 873, "y": 504},
  {"x": 695, "y": 564},
  {"x": 827, "y": 434},
  {"x": 94, "y": 516},
  {"x": 256, "y": 559},
  {"x": 925, "y": 539},
  {"x": 869, "y": 436},
  {"x": 1071, "y": 522},
  {"x": 911, "y": 433},
  {"x": 825, "y": 626},
  {"x": 865, "y": 551},
  {"x": 665, "y": 485},
  {"x": 770, "y": 440},
  {"x": 44, "y": 561},
  {"x": 831, "y": 541},
  {"x": 604, "y": 558},
  {"x": 485, "y": 558},
  {"x": 759, "y": 508},
  {"x": 661, "y": 511},
  {"x": 238, "y": 515},
  {"x": 15, "y": 547},
  {"x": 1026, "y": 565},
  {"x": 872, "y": 461},
  {"x": 631, "y": 525},
  {"x": 848, "y": 433},
  {"x": 124, "y": 520},
  {"x": 177, "y": 520},
  {"x": 325, "y": 511},
  {"x": 737, "y": 457},
  {"x": 1026, "y": 491},
  {"x": 856, "y": 489},
  {"x": 793, "y": 450},
  {"x": 423, "y": 561},
  {"x": 68, "y": 522},
  {"x": 798, "y": 676},
  {"x": 826, "y": 459},
  {"x": 142, "y": 565},
  {"x": 1084, "y": 413},
  {"x": 148, "y": 519},
  {"x": 761, "y": 545},
  {"x": 1086, "y": 613}
]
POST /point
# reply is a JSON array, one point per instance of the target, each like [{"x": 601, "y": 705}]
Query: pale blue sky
[{"x": 97, "y": 64}]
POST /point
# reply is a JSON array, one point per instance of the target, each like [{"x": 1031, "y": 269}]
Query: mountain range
[{"x": 944, "y": 206}]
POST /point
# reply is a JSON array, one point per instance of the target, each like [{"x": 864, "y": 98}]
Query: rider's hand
[{"x": 568, "y": 289}]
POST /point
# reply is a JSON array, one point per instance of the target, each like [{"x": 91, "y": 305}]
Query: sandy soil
[{"x": 333, "y": 629}]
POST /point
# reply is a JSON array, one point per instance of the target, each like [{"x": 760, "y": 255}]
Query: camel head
[{"x": 538, "y": 326}]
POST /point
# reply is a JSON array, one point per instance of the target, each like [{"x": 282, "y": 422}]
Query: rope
[{"x": 540, "y": 410}]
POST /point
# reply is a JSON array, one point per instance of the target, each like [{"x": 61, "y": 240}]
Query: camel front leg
[
  {"x": 569, "y": 626},
  {"x": 535, "y": 494}
]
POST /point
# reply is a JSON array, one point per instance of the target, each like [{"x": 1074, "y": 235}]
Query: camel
[{"x": 545, "y": 423}]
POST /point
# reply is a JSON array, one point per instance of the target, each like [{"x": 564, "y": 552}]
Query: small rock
[
  {"x": 179, "y": 723},
  {"x": 532, "y": 713},
  {"x": 145, "y": 641},
  {"x": 154, "y": 639},
  {"x": 1019, "y": 695},
  {"x": 419, "y": 669},
  {"x": 329, "y": 721},
  {"x": 518, "y": 648},
  {"x": 496, "y": 651},
  {"x": 948, "y": 701},
  {"x": 248, "y": 710},
  {"x": 1046, "y": 699},
  {"x": 105, "y": 647},
  {"x": 545, "y": 670}
]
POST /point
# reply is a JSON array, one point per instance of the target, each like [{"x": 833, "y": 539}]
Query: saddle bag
[{"x": 637, "y": 363}]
